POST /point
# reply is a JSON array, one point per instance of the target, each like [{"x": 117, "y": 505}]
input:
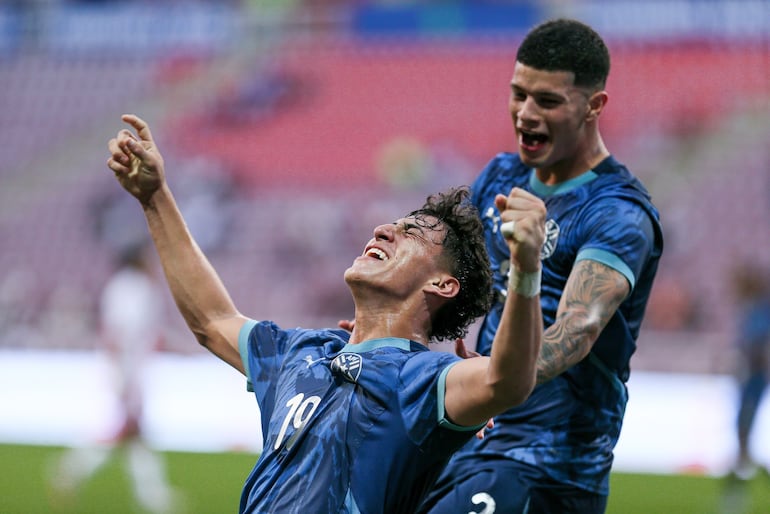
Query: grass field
[{"x": 211, "y": 484}]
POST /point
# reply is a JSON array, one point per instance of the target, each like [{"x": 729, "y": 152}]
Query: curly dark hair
[
  {"x": 466, "y": 255},
  {"x": 567, "y": 45}
]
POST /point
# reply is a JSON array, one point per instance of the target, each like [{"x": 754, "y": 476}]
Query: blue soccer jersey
[
  {"x": 570, "y": 425},
  {"x": 347, "y": 428}
]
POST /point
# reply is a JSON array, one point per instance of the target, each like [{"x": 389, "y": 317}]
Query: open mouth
[
  {"x": 531, "y": 140},
  {"x": 376, "y": 253}
]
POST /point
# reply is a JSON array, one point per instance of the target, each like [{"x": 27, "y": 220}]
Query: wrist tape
[{"x": 525, "y": 283}]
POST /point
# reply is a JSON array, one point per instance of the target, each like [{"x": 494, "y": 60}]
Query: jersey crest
[
  {"x": 551, "y": 233},
  {"x": 551, "y": 239},
  {"x": 348, "y": 365}
]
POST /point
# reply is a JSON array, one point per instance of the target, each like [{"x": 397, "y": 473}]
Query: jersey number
[
  {"x": 487, "y": 500},
  {"x": 301, "y": 409}
]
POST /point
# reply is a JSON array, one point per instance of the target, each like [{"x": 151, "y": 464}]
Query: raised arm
[
  {"x": 199, "y": 293},
  {"x": 479, "y": 388}
]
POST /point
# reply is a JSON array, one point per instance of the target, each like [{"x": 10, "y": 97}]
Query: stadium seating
[{"x": 337, "y": 120}]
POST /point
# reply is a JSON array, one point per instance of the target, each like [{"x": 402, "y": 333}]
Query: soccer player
[
  {"x": 362, "y": 421},
  {"x": 553, "y": 453},
  {"x": 131, "y": 321},
  {"x": 752, "y": 289}
]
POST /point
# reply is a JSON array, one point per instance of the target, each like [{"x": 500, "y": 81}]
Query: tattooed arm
[{"x": 593, "y": 293}]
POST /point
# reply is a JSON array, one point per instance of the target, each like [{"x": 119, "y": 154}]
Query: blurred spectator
[
  {"x": 205, "y": 194},
  {"x": 20, "y": 305},
  {"x": 131, "y": 315},
  {"x": 258, "y": 97}
]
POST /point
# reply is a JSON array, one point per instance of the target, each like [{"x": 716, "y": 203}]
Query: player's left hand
[{"x": 527, "y": 212}]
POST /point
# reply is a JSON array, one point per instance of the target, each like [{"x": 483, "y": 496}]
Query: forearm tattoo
[{"x": 592, "y": 295}]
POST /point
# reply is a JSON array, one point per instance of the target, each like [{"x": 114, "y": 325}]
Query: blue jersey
[
  {"x": 347, "y": 428},
  {"x": 570, "y": 425}
]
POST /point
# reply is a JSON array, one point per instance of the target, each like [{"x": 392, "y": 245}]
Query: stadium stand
[{"x": 323, "y": 118}]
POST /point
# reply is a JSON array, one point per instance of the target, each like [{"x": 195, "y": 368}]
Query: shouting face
[
  {"x": 554, "y": 120},
  {"x": 402, "y": 257}
]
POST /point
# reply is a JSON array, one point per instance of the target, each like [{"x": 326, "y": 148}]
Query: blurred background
[{"x": 290, "y": 128}]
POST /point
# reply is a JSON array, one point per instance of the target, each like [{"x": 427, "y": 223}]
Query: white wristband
[{"x": 525, "y": 283}]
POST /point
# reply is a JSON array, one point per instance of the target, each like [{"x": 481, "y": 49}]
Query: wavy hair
[{"x": 466, "y": 255}]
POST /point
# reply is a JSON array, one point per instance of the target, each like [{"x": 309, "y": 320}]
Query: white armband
[{"x": 525, "y": 283}]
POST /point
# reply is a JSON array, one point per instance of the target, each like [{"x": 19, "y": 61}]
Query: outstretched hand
[{"x": 135, "y": 159}]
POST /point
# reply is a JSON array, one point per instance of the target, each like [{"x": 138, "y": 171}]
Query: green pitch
[{"x": 211, "y": 483}]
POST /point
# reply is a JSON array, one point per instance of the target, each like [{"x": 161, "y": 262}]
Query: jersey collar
[
  {"x": 373, "y": 344},
  {"x": 544, "y": 190}
]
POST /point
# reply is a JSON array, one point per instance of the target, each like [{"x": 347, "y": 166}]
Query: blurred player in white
[{"x": 131, "y": 318}]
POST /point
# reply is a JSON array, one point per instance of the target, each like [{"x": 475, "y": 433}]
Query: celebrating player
[
  {"x": 362, "y": 422},
  {"x": 553, "y": 453}
]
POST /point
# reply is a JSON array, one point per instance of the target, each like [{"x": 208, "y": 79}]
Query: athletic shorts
[{"x": 504, "y": 486}]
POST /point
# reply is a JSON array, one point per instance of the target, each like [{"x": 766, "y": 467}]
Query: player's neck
[
  {"x": 567, "y": 169},
  {"x": 381, "y": 321}
]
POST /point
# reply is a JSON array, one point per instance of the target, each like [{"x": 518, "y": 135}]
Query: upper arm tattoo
[{"x": 593, "y": 293}]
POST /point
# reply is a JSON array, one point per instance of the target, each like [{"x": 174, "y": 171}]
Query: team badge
[
  {"x": 348, "y": 365},
  {"x": 551, "y": 234},
  {"x": 551, "y": 239}
]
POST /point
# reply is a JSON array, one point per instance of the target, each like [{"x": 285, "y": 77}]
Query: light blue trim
[
  {"x": 442, "y": 420},
  {"x": 544, "y": 190},
  {"x": 373, "y": 344},
  {"x": 350, "y": 504},
  {"x": 608, "y": 259},
  {"x": 243, "y": 349}
]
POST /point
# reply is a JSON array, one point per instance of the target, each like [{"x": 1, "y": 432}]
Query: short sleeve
[
  {"x": 619, "y": 234},
  {"x": 262, "y": 346},
  {"x": 422, "y": 383}
]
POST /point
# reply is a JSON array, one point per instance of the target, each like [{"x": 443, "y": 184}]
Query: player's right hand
[
  {"x": 528, "y": 213},
  {"x": 135, "y": 159}
]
